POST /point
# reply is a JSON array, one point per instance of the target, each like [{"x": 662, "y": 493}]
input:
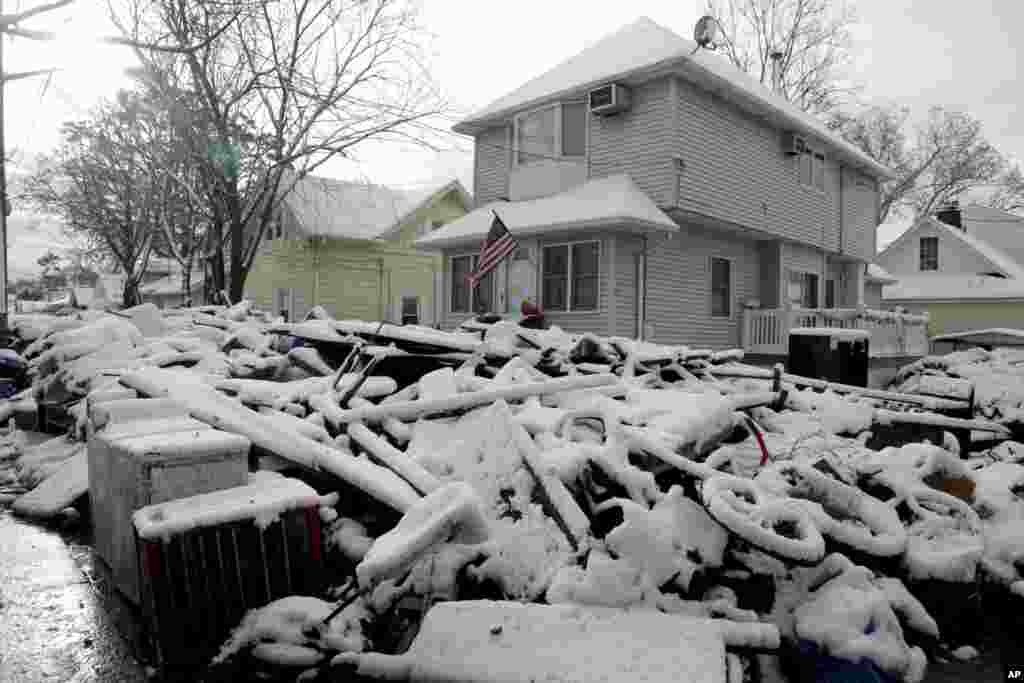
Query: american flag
[{"x": 497, "y": 246}]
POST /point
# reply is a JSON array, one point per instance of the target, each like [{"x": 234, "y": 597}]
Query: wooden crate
[{"x": 130, "y": 472}]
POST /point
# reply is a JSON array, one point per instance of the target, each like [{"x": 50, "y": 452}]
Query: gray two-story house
[{"x": 656, "y": 191}]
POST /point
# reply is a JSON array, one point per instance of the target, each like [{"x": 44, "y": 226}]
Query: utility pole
[
  {"x": 9, "y": 25},
  {"x": 4, "y": 204}
]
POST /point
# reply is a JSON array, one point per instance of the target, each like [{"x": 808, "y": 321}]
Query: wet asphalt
[{"x": 56, "y": 621}]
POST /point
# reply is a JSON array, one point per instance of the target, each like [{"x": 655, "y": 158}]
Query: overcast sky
[{"x": 918, "y": 53}]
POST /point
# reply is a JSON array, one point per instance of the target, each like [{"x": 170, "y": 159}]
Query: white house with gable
[
  {"x": 964, "y": 267},
  {"x": 657, "y": 191}
]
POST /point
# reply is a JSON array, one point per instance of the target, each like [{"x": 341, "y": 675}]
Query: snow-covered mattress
[{"x": 482, "y": 641}]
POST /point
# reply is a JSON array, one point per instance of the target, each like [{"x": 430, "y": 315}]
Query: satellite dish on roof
[{"x": 705, "y": 33}]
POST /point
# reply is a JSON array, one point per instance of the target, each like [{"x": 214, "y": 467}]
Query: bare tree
[
  {"x": 1009, "y": 193},
  {"x": 936, "y": 161},
  {"x": 281, "y": 88},
  {"x": 811, "y": 39},
  {"x": 99, "y": 185}
]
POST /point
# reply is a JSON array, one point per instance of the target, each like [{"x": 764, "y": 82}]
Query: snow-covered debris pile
[
  {"x": 583, "y": 475},
  {"x": 996, "y": 378}
]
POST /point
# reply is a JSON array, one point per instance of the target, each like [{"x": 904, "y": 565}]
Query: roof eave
[
  {"x": 1017, "y": 298},
  {"x": 620, "y": 223}
]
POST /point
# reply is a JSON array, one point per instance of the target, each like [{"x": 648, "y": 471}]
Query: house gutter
[
  {"x": 642, "y": 332},
  {"x": 543, "y": 230}
]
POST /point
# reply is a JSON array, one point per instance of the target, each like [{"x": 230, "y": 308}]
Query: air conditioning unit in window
[
  {"x": 793, "y": 144},
  {"x": 608, "y": 99}
]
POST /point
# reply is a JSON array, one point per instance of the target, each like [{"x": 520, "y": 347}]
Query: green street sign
[{"x": 228, "y": 157}]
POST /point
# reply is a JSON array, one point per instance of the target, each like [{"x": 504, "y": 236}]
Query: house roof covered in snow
[
  {"x": 340, "y": 209},
  {"x": 877, "y": 273},
  {"x": 613, "y": 201},
  {"x": 643, "y": 49},
  {"x": 957, "y": 287},
  {"x": 999, "y": 259}
]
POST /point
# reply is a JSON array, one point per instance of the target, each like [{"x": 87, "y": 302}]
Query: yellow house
[{"x": 347, "y": 247}]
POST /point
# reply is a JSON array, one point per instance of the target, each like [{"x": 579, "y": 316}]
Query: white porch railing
[{"x": 766, "y": 331}]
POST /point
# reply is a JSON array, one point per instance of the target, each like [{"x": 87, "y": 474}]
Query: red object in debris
[
  {"x": 760, "y": 440},
  {"x": 530, "y": 310},
  {"x": 313, "y": 525},
  {"x": 152, "y": 559}
]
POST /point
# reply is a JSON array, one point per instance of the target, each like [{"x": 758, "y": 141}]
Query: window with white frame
[
  {"x": 410, "y": 310},
  {"x": 803, "y": 289},
  {"x": 569, "y": 276},
  {"x": 929, "y": 253},
  {"x": 465, "y": 299},
  {"x": 812, "y": 168},
  {"x": 721, "y": 287},
  {"x": 552, "y": 132}
]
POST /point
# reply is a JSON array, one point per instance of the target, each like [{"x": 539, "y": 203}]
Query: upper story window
[
  {"x": 812, "y": 168},
  {"x": 553, "y": 132},
  {"x": 929, "y": 253}
]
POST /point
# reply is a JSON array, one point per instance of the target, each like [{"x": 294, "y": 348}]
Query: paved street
[{"x": 55, "y": 624}]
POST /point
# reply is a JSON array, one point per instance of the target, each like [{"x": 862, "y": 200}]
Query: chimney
[
  {"x": 950, "y": 214},
  {"x": 776, "y": 57}
]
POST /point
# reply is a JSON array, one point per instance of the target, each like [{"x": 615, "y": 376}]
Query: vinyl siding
[
  {"x": 491, "y": 158},
  {"x": 873, "y": 295},
  {"x": 903, "y": 257},
  {"x": 349, "y": 279},
  {"x": 637, "y": 142},
  {"x": 679, "y": 287},
  {"x": 803, "y": 259},
  {"x": 734, "y": 170},
  {"x": 624, "y": 290},
  {"x": 860, "y": 194}
]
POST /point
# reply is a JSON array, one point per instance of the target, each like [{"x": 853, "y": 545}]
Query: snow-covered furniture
[
  {"x": 134, "y": 461},
  {"x": 208, "y": 559}
]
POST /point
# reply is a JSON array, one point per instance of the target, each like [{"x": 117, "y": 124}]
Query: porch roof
[{"x": 613, "y": 202}]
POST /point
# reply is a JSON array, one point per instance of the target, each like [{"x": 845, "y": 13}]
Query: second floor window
[
  {"x": 553, "y": 132},
  {"x": 929, "y": 253},
  {"x": 812, "y": 169}
]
